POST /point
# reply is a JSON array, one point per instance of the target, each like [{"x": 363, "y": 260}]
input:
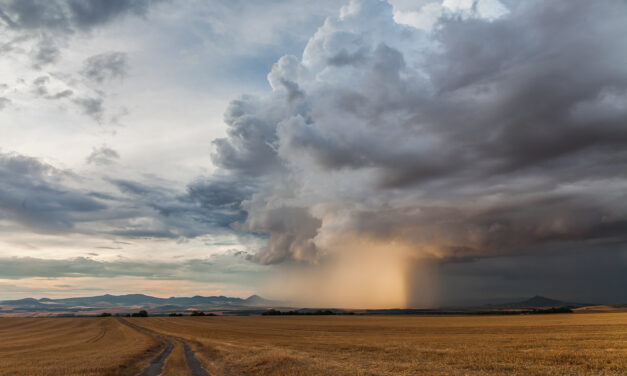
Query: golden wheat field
[
  {"x": 558, "y": 344},
  {"x": 566, "y": 344},
  {"x": 72, "y": 346}
]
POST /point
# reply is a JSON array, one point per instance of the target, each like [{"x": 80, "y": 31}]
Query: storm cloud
[
  {"x": 40, "y": 198},
  {"x": 67, "y": 15},
  {"x": 396, "y": 146},
  {"x": 483, "y": 136},
  {"x": 216, "y": 268},
  {"x": 36, "y": 195}
]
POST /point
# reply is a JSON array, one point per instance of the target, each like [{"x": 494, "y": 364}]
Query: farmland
[
  {"x": 72, "y": 346},
  {"x": 581, "y": 343},
  {"x": 404, "y": 345}
]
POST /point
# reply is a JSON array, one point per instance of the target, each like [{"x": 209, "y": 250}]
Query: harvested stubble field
[
  {"x": 566, "y": 344},
  {"x": 72, "y": 346},
  {"x": 558, "y": 344}
]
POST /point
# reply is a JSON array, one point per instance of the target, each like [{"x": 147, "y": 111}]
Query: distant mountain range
[
  {"x": 127, "y": 303},
  {"x": 122, "y": 304}
]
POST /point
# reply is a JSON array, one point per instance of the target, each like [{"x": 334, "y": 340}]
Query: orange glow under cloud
[{"x": 361, "y": 273}]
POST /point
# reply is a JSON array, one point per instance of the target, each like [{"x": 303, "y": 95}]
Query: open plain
[
  {"x": 556, "y": 344},
  {"x": 72, "y": 346}
]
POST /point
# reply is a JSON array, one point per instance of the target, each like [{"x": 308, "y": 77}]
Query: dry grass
[
  {"x": 564, "y": 344},
  {"x": 567, "y": 344},
  {"x": 71, "y": 346},
  {"x": 176, "y": 365},
  {"x": 615, "y": 308}
]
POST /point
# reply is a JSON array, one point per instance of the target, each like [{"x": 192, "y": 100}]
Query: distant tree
[
  {"x": 274, "y": 312},
  {"x": 141, "y": 313},
  {"x": 552, "y": 310},
  {"x": 325, "y": 312},
  {"x": 198, "y": 313},
  {"x": 174, "y": 314},
  {"x": 105, "y": 314}
]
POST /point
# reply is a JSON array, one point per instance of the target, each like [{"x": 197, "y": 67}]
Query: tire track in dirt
[
  {"x": 156, "y": 364},
  {"x": 155, "y": 368},
  {"x": 99, "y": 336},
  {"x": 193, "y": 363}
]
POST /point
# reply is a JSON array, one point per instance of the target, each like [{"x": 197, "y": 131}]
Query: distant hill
[
  {"x": 254, "y": 304},
  {"x": 537, "y": 302},
  {"x": 26, "y": 302},
  {"x": 256, "y": 300},
  {"x": 131, "y": 302}
]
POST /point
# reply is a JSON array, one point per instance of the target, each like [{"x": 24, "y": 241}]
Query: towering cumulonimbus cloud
[{"x": 482, "y": 136}]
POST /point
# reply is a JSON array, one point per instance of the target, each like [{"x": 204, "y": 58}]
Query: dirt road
[
  {"x": 193, "y": 363},
  {"x": 155, "y": 368}
]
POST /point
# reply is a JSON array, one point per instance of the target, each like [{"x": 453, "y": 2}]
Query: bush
[
  {"x": 274, "y": 312},
  {"x": 553, "y": 310},
  {"x": 175, "y": 314},
  {"x": 201, "y": 313}
]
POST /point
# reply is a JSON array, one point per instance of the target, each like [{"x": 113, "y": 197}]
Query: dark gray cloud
[
  {"x": 33, "y": 194},
  {"x": 291, "y": 231},
  {"x": 228, "y": 267},
  {"x": 220, "y": 200},
  {"x": 106, "y": 66},
  {"x": 50, "y": 22},
  {"x": 485, "y": 137},
  {"x": 131, "y": 187},
  {"x": 40, "y": 85},
  {"x": 582, "y": 272},
  {"x": 45, "y": 52},
  {"x": 61, "y": 94},
  {"x": 249, "y": 147},
  {"x": 33, "y": 14},
  {"x": 206, "y": 207},
  {"x": 92, "y": 107},
  {"x": 103, "y": 156},
  {"x": 86, "y": 14},
  {"x": 67, "y": 15},
  {"x": 39, "y": 198},
  {"x": 40, "y": 89}
]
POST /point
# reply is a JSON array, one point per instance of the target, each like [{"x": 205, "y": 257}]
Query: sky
[{"x": 357, "y": 153}]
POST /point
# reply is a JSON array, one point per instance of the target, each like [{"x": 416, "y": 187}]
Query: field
[
  {"x": 72, "y": 346},
  {"x": 566, "y": 344}
]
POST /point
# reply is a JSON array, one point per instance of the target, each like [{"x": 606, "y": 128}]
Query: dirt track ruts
[
  {"x": 193, "y": 363},
  {"x": 155, "y": 368}
]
